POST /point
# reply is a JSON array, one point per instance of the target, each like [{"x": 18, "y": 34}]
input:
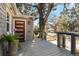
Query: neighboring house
[{"x": 13, "y": 22}]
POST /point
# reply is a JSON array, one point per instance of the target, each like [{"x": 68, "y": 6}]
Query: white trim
[
  {"x": 14, "y": 25},
  {"x": 10, "y": 24}
]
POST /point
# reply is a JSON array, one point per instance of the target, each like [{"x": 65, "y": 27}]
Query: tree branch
[
  {"x": 33, "y": 5},
  {"x": 50, "y": 6}
]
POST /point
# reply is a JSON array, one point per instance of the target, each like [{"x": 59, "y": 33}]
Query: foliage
[
  {"x": 67, "y": 21},
  {"x": 69, "y": 18},
  {"x": 8, "y": 38},
  {"x": 36, "y": 30},
  {"x": 19, "y": 6}
]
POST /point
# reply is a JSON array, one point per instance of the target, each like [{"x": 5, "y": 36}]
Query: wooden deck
[{"x": 42, "y": 48}]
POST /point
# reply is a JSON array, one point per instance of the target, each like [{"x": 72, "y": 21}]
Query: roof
[{"x": 13, "y": 10}]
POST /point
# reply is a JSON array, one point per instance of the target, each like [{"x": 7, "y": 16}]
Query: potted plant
[
  {"x": 3, "y": 44},
  {"x": 12, "y": 43},
  {"x": 36, "y": 31}
]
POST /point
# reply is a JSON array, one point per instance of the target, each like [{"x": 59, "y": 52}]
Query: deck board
[{"x": 42, "y": 48}]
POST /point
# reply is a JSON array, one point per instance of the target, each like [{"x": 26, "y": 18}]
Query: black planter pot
[
  {"x": 4, "y": 48},
  {"x": 12, "y": 48},
  {"x": 9, "y": 48}
]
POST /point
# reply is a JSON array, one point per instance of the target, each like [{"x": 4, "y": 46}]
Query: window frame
[{"x": 8, "y": 23}]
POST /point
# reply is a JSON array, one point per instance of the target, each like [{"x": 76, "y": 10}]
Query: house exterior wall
[
  {"x": 29, "y": 29},
  {"x": 6, "y": 8},
  {"x": 3, "y": 18}
]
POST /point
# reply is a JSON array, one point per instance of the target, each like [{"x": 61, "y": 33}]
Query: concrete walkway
[{"x": 41, "y": 48}]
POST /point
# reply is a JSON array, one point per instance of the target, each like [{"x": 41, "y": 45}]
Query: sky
[{"x": 56, "y": 12}]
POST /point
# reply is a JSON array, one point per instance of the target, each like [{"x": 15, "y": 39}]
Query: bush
[
  {"x": 8, "y": 38},
  {"x": 36, "y": 31},
  {"x": 11, "y": 47}
]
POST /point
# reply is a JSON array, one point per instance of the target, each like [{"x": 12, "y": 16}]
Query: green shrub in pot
[
  {"x": 12, "y": 43},
  {"x": 4, "y": 44}
]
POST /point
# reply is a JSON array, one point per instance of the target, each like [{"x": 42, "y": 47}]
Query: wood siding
[{"x": 3, "y": 18}]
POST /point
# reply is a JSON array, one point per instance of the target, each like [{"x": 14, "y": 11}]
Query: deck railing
[{"x": 73, "y": 40}]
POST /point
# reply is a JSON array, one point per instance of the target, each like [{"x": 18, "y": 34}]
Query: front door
[{"x": 20, "y": 30}]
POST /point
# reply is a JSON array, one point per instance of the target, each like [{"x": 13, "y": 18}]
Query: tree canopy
[{"x": 66, "y": 21}]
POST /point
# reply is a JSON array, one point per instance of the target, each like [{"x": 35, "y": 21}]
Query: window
[{"x": 7, "y": 22}]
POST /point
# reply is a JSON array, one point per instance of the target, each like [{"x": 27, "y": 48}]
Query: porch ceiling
[{"x": 12, "y": 9}]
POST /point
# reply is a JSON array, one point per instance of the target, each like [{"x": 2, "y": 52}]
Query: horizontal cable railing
[{"x": 73, "y": 40}]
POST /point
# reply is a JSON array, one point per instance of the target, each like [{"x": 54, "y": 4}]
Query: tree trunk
[
  {"x": 41, "y": 26},
  {"x": 43, "y": 20},
  {"x": 46, "y": 18}
]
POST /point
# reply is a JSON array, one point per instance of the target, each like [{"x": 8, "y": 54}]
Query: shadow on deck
[{"x": 42, "y": 48}]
